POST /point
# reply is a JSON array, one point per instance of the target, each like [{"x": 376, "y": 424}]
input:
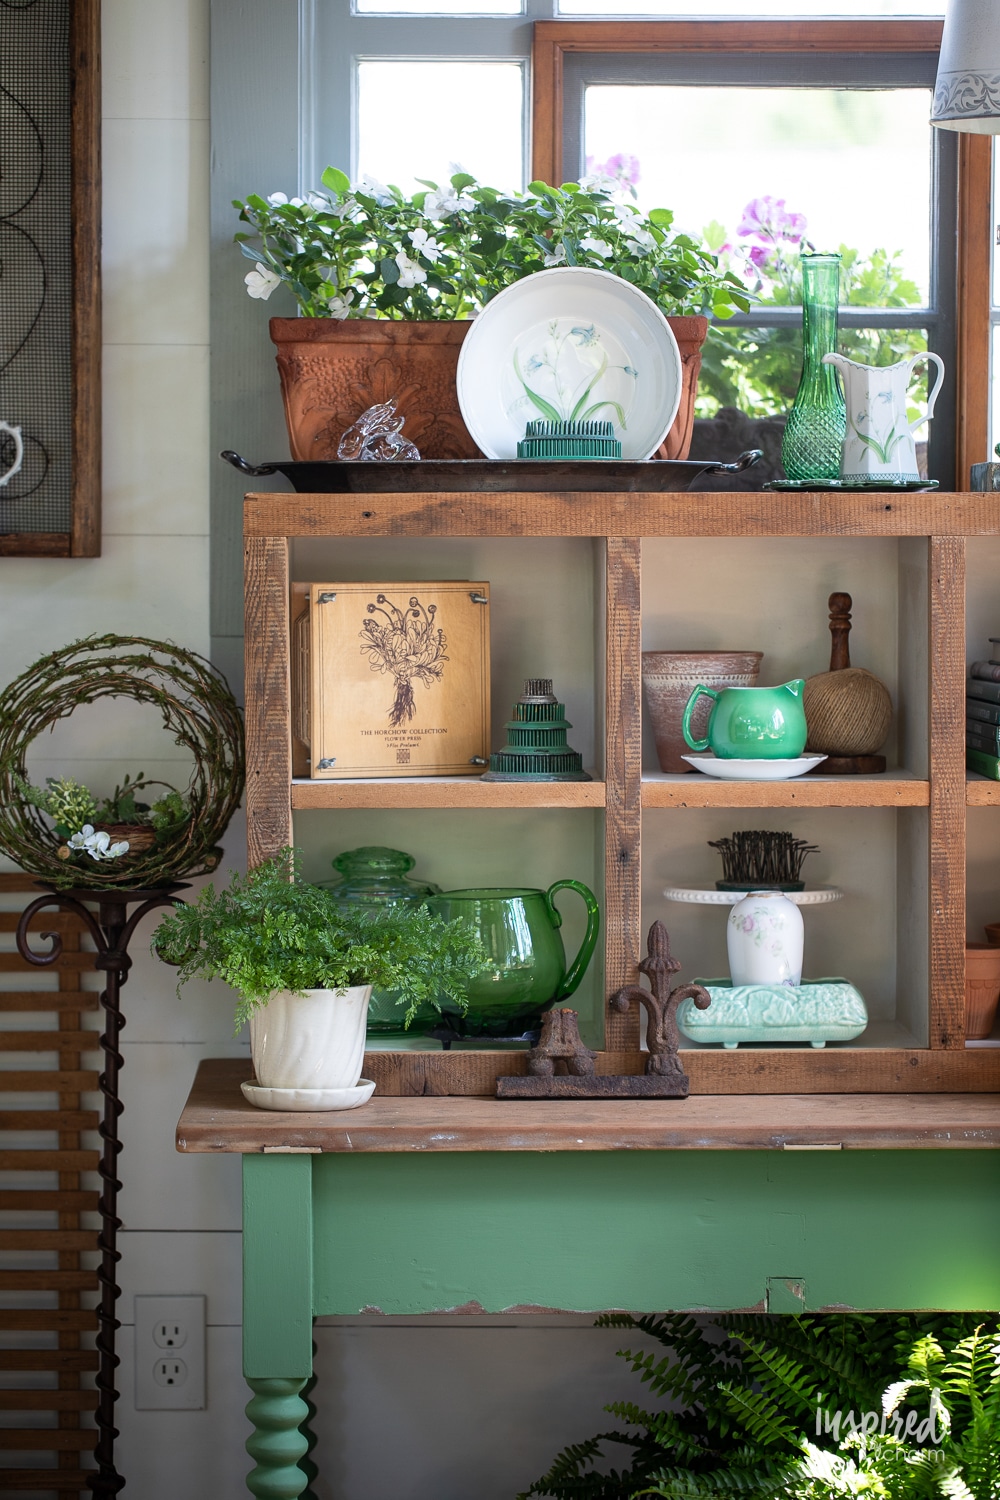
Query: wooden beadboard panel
[
  {"x": 585, "y": 514},
  {"x": 446, "y": 791},
  {"x": 800, "y": 1070},
  {"x": 268, "y": 686},
  {"x": 623, "y": 775},
  {"x": 947, "y": 807},
  {"x": 981, "y": 792},
  {"x": 218, "y": 1118},
  {"x": 891, "y": 789}
]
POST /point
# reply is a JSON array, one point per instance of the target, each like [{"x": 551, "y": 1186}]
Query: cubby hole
[
  {"x": 875, "y": 936},
  {"x": 463, "y": 848},
  {"x": 982, "y": 883},
  {"x": 770, "y": 594},
  {"x": 546, "y": 610},
  {"x": 982, "y": 610}
]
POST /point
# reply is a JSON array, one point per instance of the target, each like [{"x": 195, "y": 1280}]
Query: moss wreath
[{"x": 197, "y": 709}]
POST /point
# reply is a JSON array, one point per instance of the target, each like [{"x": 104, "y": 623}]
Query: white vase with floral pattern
[{"x": 764, "y": 937}]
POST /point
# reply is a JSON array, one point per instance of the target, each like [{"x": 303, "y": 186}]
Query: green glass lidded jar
[
  {"x": 375, "y": 876},
  {"x": 814, "y": 433}
]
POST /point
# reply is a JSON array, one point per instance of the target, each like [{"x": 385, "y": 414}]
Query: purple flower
[
  {"x": 767, "y": 219},
  {"x": 759, "y": 256},
  {"x": 621, "y": 167}
]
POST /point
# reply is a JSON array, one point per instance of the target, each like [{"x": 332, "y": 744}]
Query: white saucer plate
[
  {"x": 820, "y": 895},
  {"x": 308, "y": 1099},
  {"x": 570, "y": 344},
  {"x": 753, "y": 770}
]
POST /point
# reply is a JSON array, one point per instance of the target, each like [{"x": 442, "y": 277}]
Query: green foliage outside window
[{"x": 757, "y": 369}]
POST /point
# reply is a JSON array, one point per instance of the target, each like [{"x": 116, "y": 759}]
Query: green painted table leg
[
  {"x": 276, "y": 1444},
  {"x": 277, "y": 1317}
]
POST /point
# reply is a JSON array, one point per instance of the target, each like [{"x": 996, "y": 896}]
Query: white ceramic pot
[
  {"x": 764, "y": 937},
  {"x": 315, "y": 1040}
]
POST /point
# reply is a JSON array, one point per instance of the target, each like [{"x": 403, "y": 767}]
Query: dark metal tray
[{"x": 486, "y": 476}]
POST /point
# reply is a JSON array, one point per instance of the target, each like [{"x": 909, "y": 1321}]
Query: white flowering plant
[{"x": 370, "y": 251}]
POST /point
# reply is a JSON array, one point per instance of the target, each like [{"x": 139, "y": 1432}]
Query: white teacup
[{"x": 15, "y": 433}]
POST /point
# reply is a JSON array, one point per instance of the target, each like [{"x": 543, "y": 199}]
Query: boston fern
[
  {"x": 270, "y": 930},
  {"x": 953, "y": 1451},
  {"x": 740, "y": 1396}
]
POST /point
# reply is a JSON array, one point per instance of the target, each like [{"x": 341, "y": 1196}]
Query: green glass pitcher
[{"x": 520, "y": 930}]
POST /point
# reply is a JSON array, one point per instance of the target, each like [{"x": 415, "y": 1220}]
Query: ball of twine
[
  {"x": 848, "y": 712},
  {"x": 199, "y": 713}
]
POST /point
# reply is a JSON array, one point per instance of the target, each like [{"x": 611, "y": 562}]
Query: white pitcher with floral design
[
  {"x": 764, "y": 937},
  {"x": 879, "y": 440}
]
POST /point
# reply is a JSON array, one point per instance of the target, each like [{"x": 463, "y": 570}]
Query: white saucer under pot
[{"x": 308, "y": 1099}]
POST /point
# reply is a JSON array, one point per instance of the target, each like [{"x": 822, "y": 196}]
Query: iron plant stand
[{"x": 112, "y": 930}]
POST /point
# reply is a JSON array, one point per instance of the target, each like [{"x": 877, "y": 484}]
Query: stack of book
[{"x": 982, "y": 718}]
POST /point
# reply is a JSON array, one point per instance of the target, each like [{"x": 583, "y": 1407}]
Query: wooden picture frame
[
  {"x": 553, "y": 41},
  {"x": 82, "y": 538}
]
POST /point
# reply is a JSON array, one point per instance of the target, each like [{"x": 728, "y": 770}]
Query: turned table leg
[{"x": 277, "y": 1318}]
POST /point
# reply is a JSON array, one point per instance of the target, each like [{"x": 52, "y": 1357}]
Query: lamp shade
[{"x": 967, "y": 91}]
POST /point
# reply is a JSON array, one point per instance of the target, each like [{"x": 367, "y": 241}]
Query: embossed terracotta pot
[
  {"x": 315, "y": 1040},
  {"x": 690, "y": 334},
  {"x": 332, "y": 370},
  {"x": 669, "y": 677},
  {"x": 982, "y": 987}
]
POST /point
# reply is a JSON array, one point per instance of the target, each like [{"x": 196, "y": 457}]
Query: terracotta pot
[
  {"x": 332, "y": 370},
  {"x": 690, "y": 334},
  {"x": 670, "y": 677},
  {"x": 982, "y": 987}
]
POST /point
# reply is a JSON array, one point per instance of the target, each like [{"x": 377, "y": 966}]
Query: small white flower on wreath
[
  {"x": 598, "y": 247},
  {"x": 426, "y": 245},
  {"x": 97, "y": 845},
  {"x": 261, "y": 282},
  {"x": 410, "y": 274}
]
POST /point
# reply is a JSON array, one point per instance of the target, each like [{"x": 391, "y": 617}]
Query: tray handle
[
  {"x": 256, "y": 470},
  {"x": 745, "y": 461}
]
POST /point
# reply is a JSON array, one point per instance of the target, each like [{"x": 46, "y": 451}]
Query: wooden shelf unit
[{"x": 935, "y": 791}]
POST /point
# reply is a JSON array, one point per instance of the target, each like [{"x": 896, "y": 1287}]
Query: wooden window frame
[
  {"x": 553, "y": 40},
  {"x": 83, "y": 539}
]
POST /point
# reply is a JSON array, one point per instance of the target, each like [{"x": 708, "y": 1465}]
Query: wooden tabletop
[{"x": 218, "y": 1118}]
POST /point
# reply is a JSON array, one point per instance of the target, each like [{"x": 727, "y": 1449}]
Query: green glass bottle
[
  {"x": 375, "y": 877},
  {"x": 817, "y": 422}
]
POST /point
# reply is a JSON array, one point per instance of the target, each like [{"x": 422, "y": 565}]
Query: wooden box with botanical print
[{"x": 390, "y": 679}]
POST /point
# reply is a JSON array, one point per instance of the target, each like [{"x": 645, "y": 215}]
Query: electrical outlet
[{"x": 167, "y": 1379}]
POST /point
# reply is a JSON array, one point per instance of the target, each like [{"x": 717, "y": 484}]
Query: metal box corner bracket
[{"x": 392, "y": 678}]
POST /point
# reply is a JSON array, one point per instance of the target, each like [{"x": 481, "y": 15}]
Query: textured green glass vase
[
  {"x": 377, "y": 877},
  {"x": 814, "y": 432}
]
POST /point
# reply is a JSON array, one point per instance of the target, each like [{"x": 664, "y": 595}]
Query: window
[{"x": 881, "y": 59}]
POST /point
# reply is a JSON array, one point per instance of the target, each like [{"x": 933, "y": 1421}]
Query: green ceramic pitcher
[
  {"x": 520, "y": 930},
  {"x": 752, "y": 723}
]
